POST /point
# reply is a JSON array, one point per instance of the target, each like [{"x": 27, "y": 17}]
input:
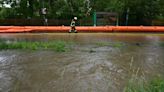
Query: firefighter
[
  {"x": 73, "y": 24},
  {"x": 44, "y": 13}
]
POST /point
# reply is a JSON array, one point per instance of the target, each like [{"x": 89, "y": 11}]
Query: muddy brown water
[{"x": 87, "y": 68}]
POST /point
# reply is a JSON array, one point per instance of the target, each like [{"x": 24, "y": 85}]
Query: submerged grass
[
  {"x": 161, "y": 44},
  {"x": 111, "y": 44},
  {"x": 139, "y": 85},
  {"x": 59, "y": 46}
]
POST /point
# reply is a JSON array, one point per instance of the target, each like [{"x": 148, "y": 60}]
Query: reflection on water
[{"x": 105, "y": 69}]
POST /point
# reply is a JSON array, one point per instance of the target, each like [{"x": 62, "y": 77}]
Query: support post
[
  {"x": 117, "y": 21},
  {"x": 94, "y": 19},
  {"x": 127, "y": 17}
]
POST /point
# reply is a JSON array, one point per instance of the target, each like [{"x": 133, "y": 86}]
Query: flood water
[{"x": 87, "y": 68}]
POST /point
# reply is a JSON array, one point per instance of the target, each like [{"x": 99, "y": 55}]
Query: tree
[{"x": 139, "y": 10}]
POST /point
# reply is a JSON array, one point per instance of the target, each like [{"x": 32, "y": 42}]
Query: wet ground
[{"x": 91, "y": 66}]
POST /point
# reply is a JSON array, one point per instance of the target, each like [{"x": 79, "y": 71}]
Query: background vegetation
[{"x": 139, "y": 12}]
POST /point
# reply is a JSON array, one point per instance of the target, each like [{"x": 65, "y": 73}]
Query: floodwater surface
[{"x": 92, "y": 65}]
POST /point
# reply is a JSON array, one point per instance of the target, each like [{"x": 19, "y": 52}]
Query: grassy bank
[
  {"x": 141, "y": 85},
  {"x": 59, "y": 46}
]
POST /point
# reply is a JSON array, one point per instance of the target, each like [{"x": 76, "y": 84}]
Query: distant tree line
[{"x": 135, "y": 11}]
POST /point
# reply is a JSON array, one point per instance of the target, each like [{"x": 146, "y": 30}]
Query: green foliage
[
  {"x": 6, "y": 13},
  {"x": 139, "y": 85},
  {"x": 59, "y": 46},
  {"x": 156, "y": 85},
  {"x": 161, "y": 44},
  {"x": 56, "y": 8},
  {"x": 66, "y": 9},
  {"x": 111, "y": 44},
  {"x": 144, "y": 9}
]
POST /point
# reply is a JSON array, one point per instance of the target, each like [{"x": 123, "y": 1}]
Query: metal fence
[
  {"x": 66, "y": 22},
  {"x": 40, "y": 22}
]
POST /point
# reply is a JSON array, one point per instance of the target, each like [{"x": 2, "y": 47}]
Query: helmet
[{"x": 75, "y": 18}]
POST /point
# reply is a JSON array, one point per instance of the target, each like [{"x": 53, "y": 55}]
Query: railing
[{"x": 40, "y": 22}]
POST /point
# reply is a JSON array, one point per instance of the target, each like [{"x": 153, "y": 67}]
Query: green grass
[
  {"x": 161, "y": 44},
  {"x": 111, "y": 44},
  {"x": 59, "y": 46},
  {"x": 140, "y": 85}
]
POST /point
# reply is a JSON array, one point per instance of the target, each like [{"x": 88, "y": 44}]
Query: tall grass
[
  {"x": 139, "y": 85},
  {"x": 59, "y": 46}
]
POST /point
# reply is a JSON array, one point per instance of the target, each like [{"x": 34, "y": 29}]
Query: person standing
[
  {"x": 73, "y": 24},
  {"x": 44, "y": 13}
]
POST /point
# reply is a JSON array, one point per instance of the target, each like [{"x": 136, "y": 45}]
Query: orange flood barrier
[{"x": 19, "y": 29}]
